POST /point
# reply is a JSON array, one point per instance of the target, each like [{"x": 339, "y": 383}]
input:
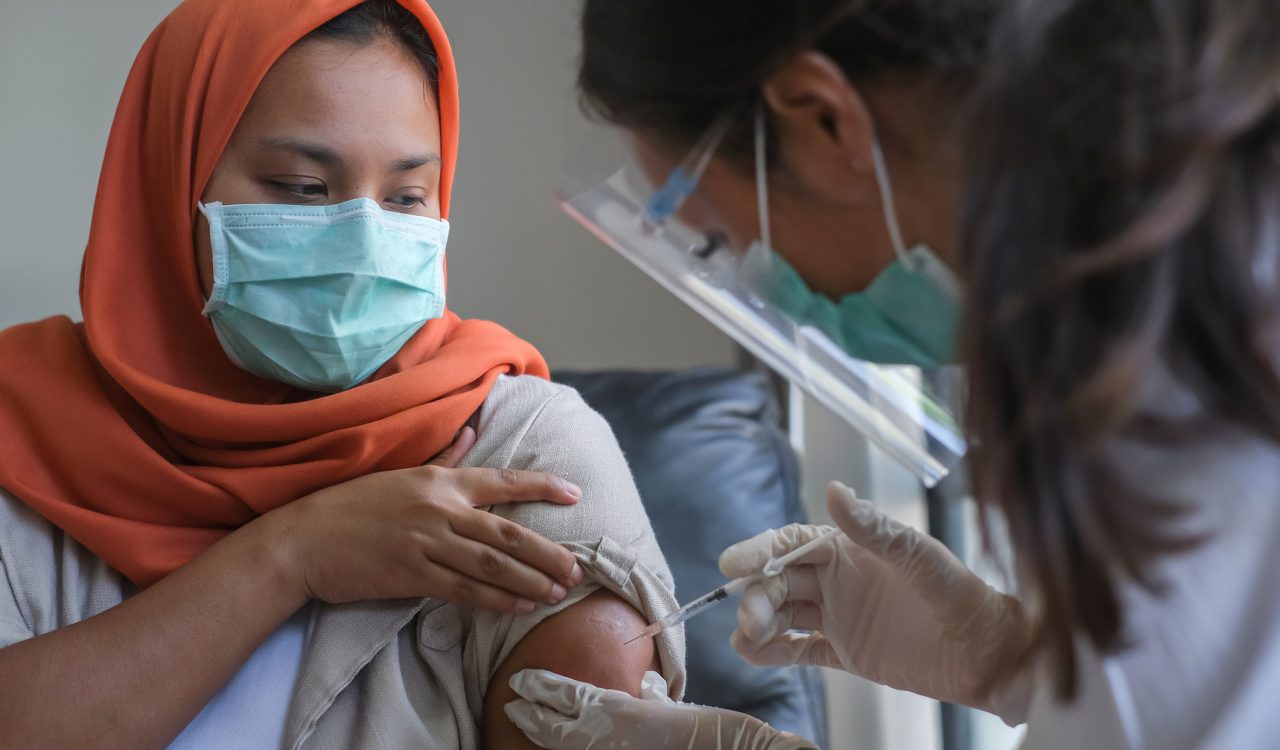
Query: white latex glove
[
  {"x": 558, "y": 713},
  {"x": 884, "y": 601}
]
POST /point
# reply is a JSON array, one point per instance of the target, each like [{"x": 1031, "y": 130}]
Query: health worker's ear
[{"x": 823, "y": 129}]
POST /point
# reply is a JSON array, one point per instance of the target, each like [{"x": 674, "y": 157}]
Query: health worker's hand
[
  {"x": 883, "y": 601},
  {"x": 558, "y": 713},
  {"x": 420, "y": 532}
]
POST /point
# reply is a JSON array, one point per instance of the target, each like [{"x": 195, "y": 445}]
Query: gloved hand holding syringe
[
  {"x": 850, "y": 593},
  {"x": 706, "y": 601}
]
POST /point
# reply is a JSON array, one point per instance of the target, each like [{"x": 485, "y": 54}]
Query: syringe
[{"x": 704, "y": 602}]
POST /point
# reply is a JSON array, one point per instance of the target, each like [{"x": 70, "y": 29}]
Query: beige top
[{"x": 391, "y": 674}]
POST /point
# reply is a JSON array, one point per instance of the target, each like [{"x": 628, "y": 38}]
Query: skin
[
  {"x": 824, "y": 201},
  {"x": 597, "y": 626},
  {"x": 329, "y": 123}
]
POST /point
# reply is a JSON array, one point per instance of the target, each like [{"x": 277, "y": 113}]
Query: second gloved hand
[
  {"x": 885, "y": 602},
  {"x": 559, "y": 713}
]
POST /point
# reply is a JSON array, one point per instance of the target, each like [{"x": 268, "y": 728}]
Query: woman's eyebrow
[
  {"x": 328, "y": 157},
  {"x": 313, "y": 151},
  {"x": 413, "y": 162}
]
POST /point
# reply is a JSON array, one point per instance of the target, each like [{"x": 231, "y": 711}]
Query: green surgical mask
[
  {"x": 909, "y": 313},
  {"x": 906, "y": 316}
]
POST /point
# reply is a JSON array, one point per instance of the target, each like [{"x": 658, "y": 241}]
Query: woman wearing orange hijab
[{"x": 214, "y": 502}]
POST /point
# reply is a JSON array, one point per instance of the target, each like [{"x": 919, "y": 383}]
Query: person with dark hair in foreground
[{"x": 1079, "y": 202}]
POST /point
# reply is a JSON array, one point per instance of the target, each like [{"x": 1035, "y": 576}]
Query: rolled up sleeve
[{"x": 607, "y": 530}]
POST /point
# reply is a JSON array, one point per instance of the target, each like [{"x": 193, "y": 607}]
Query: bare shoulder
[{"x": 598, "y": 628}]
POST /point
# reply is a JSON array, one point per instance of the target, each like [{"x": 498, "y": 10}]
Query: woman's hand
[
  {"x": 421, "y": 532},
  {"x": 882, "y": 601}
]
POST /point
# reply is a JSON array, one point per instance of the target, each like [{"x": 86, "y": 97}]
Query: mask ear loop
[
  {"x": 890, "y": 209},
  {"x": 218, "y": 250},
  {"x": 762, "y": 177},
  {"x": 882, "y": 179}
]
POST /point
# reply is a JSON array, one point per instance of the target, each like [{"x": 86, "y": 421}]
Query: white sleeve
[
  {"x": 47, "y": 579},
  {"x": 13, "y": 625}
]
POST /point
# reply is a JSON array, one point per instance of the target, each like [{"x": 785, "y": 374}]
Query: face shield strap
[{"x": 684, "y": 179}]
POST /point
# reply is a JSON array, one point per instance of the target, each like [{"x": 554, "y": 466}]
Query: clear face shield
[{"x": 893, "y": 406}]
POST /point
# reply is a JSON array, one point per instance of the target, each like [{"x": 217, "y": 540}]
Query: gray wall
[
  {"x": 62, "y": 65},
  {"x": 514, "y": 257}
]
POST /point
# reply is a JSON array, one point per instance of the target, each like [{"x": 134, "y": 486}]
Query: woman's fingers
[
  {"x": 422, "y": 523},
  {"x": 521, "y": 544},
  {"x": 493, "y": 566},
  {"x": 495, "y": 486},
  {"x": 462, "y": 589},
  {"x": 450, "y": 457}
]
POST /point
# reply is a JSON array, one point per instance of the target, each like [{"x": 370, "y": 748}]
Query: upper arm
[
  {"x": 609, "y": 533},
  {"x": 570, "y": 440},
  {"x": 586, "y": 642}
]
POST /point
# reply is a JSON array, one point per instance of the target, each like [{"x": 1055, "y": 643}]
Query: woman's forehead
[{"x": 363, "y": 96}]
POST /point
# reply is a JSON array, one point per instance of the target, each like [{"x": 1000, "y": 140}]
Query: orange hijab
[{"x": 133, "y": 432}]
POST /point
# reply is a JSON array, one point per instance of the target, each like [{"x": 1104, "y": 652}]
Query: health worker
[{"x": 1078, "y": 201}]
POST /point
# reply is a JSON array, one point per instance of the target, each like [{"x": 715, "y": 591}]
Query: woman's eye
[
  {"x": 303, "y": 190},
  {"x": 407, "y": 201}
]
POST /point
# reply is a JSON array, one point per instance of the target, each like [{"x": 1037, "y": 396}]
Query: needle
[{"x": 704, "y": 602}]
